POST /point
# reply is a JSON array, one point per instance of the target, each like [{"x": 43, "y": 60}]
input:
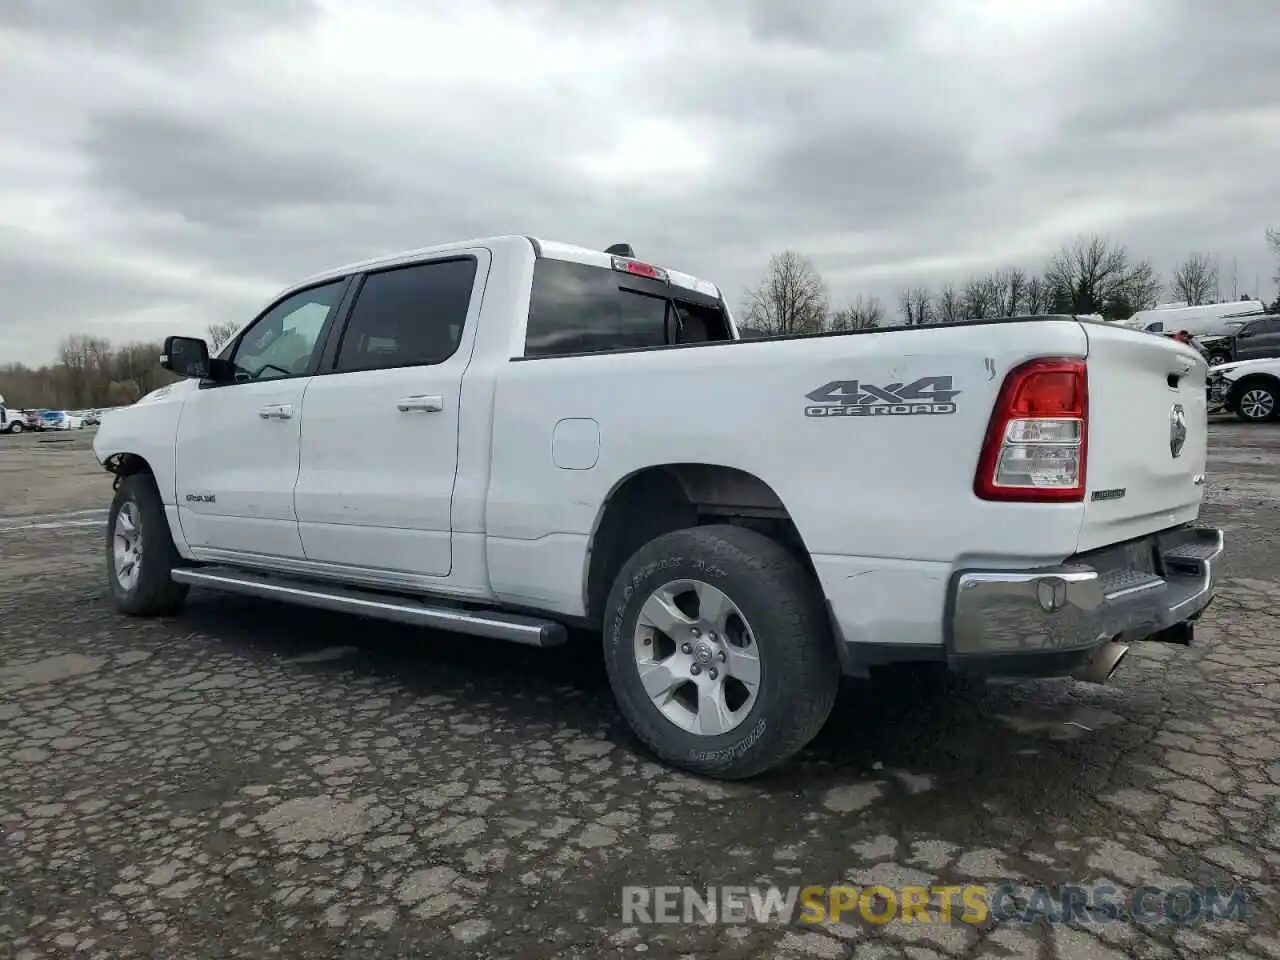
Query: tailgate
[{"x": 1147, "y": 434}]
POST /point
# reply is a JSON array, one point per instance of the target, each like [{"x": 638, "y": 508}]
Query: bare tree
[
  {"x": 1195, "y": 279},
  {"x": 865, "y": 313},
  {"x": 1273, "y": 243},
  {"x": 951, "y": 305},
  {"x": 137, "y": 370},
  {"x": 1036, "y": 299},
  {"x": 916, "y": 306},
  {"x": 1012, "y": 285},
  {"x": 981, "y": 297},
  {"x": 1095, "y": 276},
  {"x": 220, "y": 333},
  {"x": 792, "y": 298},
  {"x": 85, "y": 362},
  {"x": 89, "y": 372},
  {"x": 1142, "y": 287}
]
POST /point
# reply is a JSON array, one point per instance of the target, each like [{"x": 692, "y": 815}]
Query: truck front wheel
[
  {"x": 140, "y": 551},
  {"x": 719, "y": 651}
]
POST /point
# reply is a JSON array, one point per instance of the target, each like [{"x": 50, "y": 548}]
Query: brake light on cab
[
  {"x": 1037, "y": 441},
  {"x": 640, "y": 269}
]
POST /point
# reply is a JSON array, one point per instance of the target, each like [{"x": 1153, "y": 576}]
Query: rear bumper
[{"x": 1051, "y": 621}]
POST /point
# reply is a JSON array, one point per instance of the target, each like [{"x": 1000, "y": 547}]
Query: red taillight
[
  {"x": 1036, "y": 444},
  {"x": 640, "y": 269}
]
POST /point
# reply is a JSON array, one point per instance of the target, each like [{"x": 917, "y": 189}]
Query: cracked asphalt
[{"x": 252, "y": 780}]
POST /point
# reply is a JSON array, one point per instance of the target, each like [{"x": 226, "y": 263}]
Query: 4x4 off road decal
[{"x": 855, "y": 398}]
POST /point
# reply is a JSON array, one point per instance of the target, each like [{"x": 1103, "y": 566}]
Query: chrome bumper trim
[{"x": 1076, "y": 607}]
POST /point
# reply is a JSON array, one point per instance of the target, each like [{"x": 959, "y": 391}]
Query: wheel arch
[
  {"x": 125, "y": 464},
  {"x": 660, "y": 498},
  {"x": 1239, "y": 387}
]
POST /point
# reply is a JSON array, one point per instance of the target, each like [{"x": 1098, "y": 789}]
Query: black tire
[
  {"x": 15, "y": 428},
  {"x": 153, "y": 592},
  {"x": 1246, "y": 388},
  {"x": 1218, "y": 357},
  {"x": 779, "y": 598}
]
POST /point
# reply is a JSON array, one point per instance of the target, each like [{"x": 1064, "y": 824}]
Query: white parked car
[
  {"x": 60, "y": 420},
  {"x": 509, "y": 437},
  {"x": 1248, "y": 388},
  {"x": 11, "y": 420}
]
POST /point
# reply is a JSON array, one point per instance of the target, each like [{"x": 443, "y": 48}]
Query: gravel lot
[{"x": 250, "y": 780}]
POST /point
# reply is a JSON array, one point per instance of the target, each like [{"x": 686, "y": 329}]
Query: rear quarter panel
[{"x": 893, "y": 488}]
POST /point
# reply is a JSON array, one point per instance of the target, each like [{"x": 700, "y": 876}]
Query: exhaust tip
[{"x": 1104, "y": 662}]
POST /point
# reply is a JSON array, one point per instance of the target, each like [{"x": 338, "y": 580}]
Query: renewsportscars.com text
[{"x": 969, "y": 904}]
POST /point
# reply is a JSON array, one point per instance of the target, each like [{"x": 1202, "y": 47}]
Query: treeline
[
  {"x": 90, "y": 373},
  {"x": 1091, "y": 276}
]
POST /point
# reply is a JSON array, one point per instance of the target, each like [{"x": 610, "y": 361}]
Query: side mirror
[
  {"x": 186, "y": 356},
  {"x": 1245, "y": 333}
]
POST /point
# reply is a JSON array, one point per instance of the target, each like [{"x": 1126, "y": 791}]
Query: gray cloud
[
  {"x": 213, "y": 174},
  {"x": 835, "y": 177},
  {"x": 168, "y": 165},
  {"x": 150, "y": 26},
  {"x": 832, "y": 24}
]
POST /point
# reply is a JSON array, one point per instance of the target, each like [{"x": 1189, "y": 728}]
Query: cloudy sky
[{"x": 164, "y": 164}]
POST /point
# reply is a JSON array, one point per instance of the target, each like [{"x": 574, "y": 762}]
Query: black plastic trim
[
  {"x": 856, "y": 659},
  {"x": 1027, "y": 664},
  {"x": 333, "y": 335}
]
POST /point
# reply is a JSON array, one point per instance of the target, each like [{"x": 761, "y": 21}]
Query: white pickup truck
[{"x": 513, "y": 437}]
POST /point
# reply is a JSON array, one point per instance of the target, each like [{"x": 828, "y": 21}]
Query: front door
[
  {"x": 238, "y": 442},
  {"x": 380, "y": 431},
  {"x": 1258, "y": 339}
]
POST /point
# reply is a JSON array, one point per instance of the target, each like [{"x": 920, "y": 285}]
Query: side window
[
  {"x": 284, "y": 340},
  {"x": 409, "y": 316},
  {"x": 578, "y": 308}
]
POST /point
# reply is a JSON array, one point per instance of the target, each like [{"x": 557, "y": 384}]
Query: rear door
[
  {"x": 379, "y": 445},
  {"x": 1147, "y": 435}
]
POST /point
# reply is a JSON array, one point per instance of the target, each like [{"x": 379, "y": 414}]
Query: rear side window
[
  {"x": 408, "y": 316},
  {"x": 577, "y": 308}
]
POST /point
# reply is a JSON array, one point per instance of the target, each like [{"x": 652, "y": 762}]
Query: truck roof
[{"x": 552, "y": 249}]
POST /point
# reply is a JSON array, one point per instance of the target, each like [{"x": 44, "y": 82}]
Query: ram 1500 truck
[{"x": 511, "y": 438}]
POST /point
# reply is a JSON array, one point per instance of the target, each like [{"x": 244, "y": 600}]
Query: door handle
[
  {"x": 423, "y": 404},
  {"x": 276, "y": 411}
]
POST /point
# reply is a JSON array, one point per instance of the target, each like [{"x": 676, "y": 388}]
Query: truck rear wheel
[
  {"x": 140, "y": 551},
  {"x": 719, "y": 651}
]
